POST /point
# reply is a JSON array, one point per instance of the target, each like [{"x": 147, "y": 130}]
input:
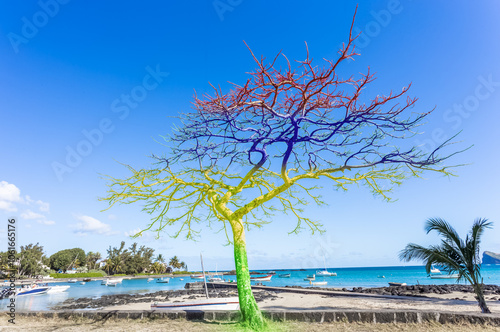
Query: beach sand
[{"x": 293, "y": 301}]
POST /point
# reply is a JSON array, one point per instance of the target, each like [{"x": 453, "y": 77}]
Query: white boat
[
  {"x": 57, "y": 289},
  {"x": 163, "y": 280},
  {"x": 111, "y": 283},
  {"x": 32, "y": 290},
  {"x": 434, "y": 269},
  {"x": 215, "y": 277},
  {"x": 325, "y": 272},
  {"x": 72, "y": 281},
  {"x": 197, "y": 277},
  {"x": 82, "y": 283},
  {"x": 318, "y": 283},
  {"x": 287, "y": 275},
  {"x": 308, "y": 278},
  {"x": 105, "y": 282},
  {"x": 265, "y": 278},
  {"x": 229, "y": 303},
  {"x": 380, "y": 276},
  {"x": 444, "y": 276},
  {"x": 151, "y": 279},
  {"x": 118, "y": 280}
]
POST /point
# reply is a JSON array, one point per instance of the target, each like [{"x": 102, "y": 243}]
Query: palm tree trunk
[
  {"x": 250, "y": 312},
  {"x": 478, "y": 289}
]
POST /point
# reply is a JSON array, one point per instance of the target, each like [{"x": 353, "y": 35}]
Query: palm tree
[
  {"x": 174, "y": 262},
  {"x": 454, "y": 254},
  {"x": 160, "y": 258}
]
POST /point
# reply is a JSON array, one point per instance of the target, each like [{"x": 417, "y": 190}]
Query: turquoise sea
[{"x": 346, "y": 278}]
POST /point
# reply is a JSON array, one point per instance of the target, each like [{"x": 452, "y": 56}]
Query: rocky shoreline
[
  {"x": 414, "y": 290},
  {"x": 192, "y": 294},
  {"x": 164, "y": 296}
]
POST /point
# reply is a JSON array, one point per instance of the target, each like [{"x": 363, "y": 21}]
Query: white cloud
[
  {"x": 28, "y": 214},
  {"x": 43, "y": 206},
  {"x": 46, "y": 222},
  {"x": 89, "y": 225},
  {"x": 9, "y": 194},
  {"x": 132, "y": 232}
]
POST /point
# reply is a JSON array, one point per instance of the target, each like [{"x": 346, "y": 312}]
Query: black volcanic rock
[{"x": 490, "y": 258}]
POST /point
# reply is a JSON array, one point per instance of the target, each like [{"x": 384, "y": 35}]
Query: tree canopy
[{"x": 68, "y": 259}]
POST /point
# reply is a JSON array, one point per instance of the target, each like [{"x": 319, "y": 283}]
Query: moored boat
[
  {"x": 163, "y": 280},
  {"x": 197, "y": 277},
  {"x": 32, "y": 290},
  {"x": 286, "y": 275},
  {"x": 396, "y": 284},
  {"x": 57, "y": 289},
  {"x": 310, "y": 277},
  {"x": 73, "y": 281},
  {"x": 318, "y": 283},
  {"x": 444, "y": 276},
  {"x": 230, "y": 303},
  {"x": 265, "y": 278}
]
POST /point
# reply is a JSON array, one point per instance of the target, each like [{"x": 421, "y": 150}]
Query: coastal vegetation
[
  {"x": 454, "y": 255},
  {"x": 259, "y": 149},
  {"x": 32, "y": 262}
]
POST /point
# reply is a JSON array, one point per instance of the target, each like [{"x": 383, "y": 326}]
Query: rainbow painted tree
[{"x": 258, "y": 150}]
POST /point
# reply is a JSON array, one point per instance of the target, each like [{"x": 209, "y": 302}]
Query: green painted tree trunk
[{"x": 250, "y": 312}]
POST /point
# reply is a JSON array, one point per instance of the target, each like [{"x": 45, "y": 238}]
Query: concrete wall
[{"x": 380, "y": 316}]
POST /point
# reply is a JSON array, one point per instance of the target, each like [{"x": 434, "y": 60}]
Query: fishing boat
[
  {"x": 87, "y": 279},
  {"x": 57, "y": 289},
  {"x": 229, "y": 303},
  {"x": 318, "y": 283},
  {"x": 310, "y": 277},
  {"x": 444, "y": 276},
  {"x": 286, "y": 275},
  {"x": 215, "y": 277},
  {"x": 197, "y": 277},
  {"x": 72, "y": 281},
  {"x": 265, "y": 278},
  {"x": 163, "y": 280},
  {"x": 110, "y": 283},
  {"x": 396, "y": 284}
]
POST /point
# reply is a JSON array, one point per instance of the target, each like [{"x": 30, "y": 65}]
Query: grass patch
[{"x": 76, "y": 275}]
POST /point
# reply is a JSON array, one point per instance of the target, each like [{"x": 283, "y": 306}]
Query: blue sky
[{"x": 68, "y": 66}]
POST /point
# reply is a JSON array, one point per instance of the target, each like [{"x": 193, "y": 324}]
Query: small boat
[
  {"x": 215, "y": 279},
  {"x": 87, "y": 279},
  {"x": 318, "y": 283},
  {"x": 287, "y": 275},
  {"x": 151, "y": 279},
  {"x": 197, "y": 277},
  {"x": 73, "y": 281},
  {"x": 111, "y": 283},
  {"x": 380, "y": 276},
  {"x": 310, "y": 277},
  {"x": 57, "y": 289},
  {"x": 229, "y": 303},
  {"x": 272, "y": 272},
  {"x": 434, "y": 269},
  {"x": 396, "y": 284},
  {"x": 82, "y": 283},
  {"x": 181, "y": 279},
  {"x": 163, "y": 280},
  {"x": 444, "y": 276},
  {"x": 265, "y": 278}
]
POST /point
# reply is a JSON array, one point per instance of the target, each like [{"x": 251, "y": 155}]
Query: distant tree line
[{"x": 31, "y": 261}]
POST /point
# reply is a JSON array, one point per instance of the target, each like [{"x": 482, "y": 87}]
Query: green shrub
[
  {"x": 76, "y": 275},
  {"x": 101, "y": 272}
]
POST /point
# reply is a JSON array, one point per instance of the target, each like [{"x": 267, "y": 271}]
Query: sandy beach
[{"x": 292, "y": 301}]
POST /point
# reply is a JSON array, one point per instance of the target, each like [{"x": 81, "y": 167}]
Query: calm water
[{"x": 346, "y": 277}]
